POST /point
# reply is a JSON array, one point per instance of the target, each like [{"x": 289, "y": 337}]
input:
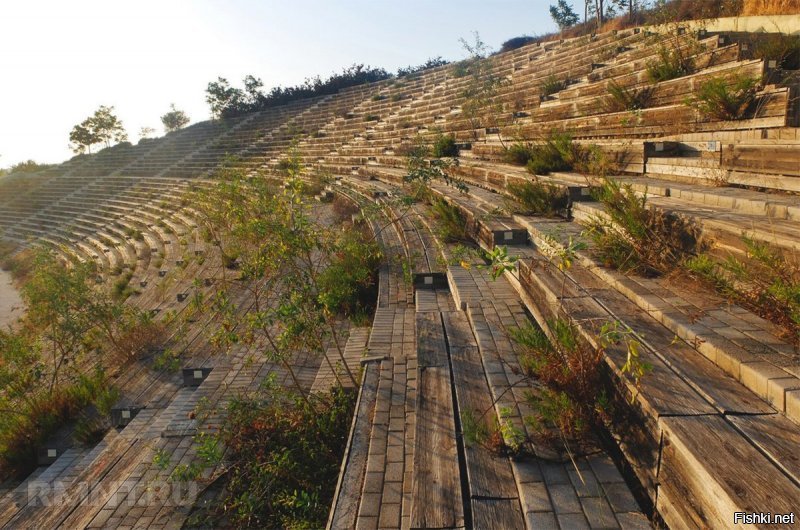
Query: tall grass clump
[
  {"x": 726, "y": 99},
  {"x": 559, "y": 153},
  {"x": 671, "y": 63},
  {"x": 444, "y": 145},
  {"x": 551, "y": 85},
  {"x": 282, "y": 460},
  {"x": 539, "y": 198},
  {"x": 623, "y": 98},
  {"x": 450, "y": 222},
  {"x": 569, "y": 368},
  {"x": 555, "y": 154},
  {"x": 765, "y": 280},
  {"x": 634, "y": 237}
]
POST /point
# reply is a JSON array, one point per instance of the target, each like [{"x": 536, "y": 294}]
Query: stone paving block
[
  {"x": 527, "y": 471},
  {"x": 620, "y": 497},
  {"x": 793, "y": 405},
  {"x": 394, "y": 472},
  {"x": 554, "y": 473},
  {"x": 564, "y": 498},
  {"x": 370, "y": 505},
  {"x": 535, "y": 497},
  {"x": 585, "y": 484},
  {"x": 397, "y": 424},
  {"x": 777, "y": 389},
  {"x": 367, "y": 523},
  {"x": 390, "y": 516},
  {"x": 573, "y": 521},
  {"x": 377, "y": 445},
  {"x": 604, "y": 469},
  {"x": 373, "y": 482},
  {"x": 392, "y": 492},
  {"x": 598, "y": 512},
  {"x": 395, "y": 438},
  {"x": 394, "y": 454},
  {"x": 756, "y": 376}
]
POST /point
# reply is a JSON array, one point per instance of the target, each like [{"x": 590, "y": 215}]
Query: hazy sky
[{"x": 61, "y": 59}]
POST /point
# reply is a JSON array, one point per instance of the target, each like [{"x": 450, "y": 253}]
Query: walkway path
[
  {"x": 11, "y": 306},
  {"x": 434, "y": 354}
]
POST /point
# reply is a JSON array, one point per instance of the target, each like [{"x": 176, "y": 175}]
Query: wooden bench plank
[
  {"x": 489, "y": 476},
  {"x": 709, "y": 471},
  {"x": 436, "y": 498},
  {"x": 354, "y": 465},
  {"x": 776, "y": 436}
]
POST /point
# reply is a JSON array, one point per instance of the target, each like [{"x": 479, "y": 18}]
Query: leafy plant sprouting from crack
[{"x": 499, "y": 261}]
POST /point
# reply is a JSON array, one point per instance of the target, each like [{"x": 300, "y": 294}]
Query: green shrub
[
  {"x": 347, "y": 285},
  {"x": 569, "y": 367},
  {"x": 372, "y": 117},
  {"x": 558, "y": 153},
  {"x": 518, "y": 153},
  {"x": 378, "y": 97},
  {"x": 783, "y": 49},
  {"x": 167, "y": 360},
  {"x": 670, "y": 64},
  {"x": 283, "y": 457},
  {"x": 551, "y": 85},
  {"x": 445, "y": 145},
  {"x": 765, "y": 281},
  {"x": 451, "y": 223},
  {"x": 460, "y": 70},
  {"x": 516, "y": 42},
  {"x": 637, "y": 238},
  {"x": 726, "y": 99},
  {"x": 121, "y": 290},
  {"x": 539, "y": 198},
  {"x": 622, "y": 98}
]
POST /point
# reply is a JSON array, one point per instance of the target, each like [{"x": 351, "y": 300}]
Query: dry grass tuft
[{"x": 771, "y": 7}]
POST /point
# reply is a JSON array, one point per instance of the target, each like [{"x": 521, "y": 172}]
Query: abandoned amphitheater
[{"x": 454, "y": 421}]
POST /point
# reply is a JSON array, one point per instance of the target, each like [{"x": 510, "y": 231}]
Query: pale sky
[{"x": 61, "y": 59}]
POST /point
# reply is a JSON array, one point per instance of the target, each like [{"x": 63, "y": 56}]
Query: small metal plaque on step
[
  {"x": 430, "y": 280},
  {"x": 195, "y": 376}
]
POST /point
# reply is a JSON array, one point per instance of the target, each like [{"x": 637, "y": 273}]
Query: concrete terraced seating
[
  {"x": 722, "y": 380},
  {"x": 735, "y": 363},
  {"x": 713, "y": 429},
  {"x": 407, "y": 465},
  {"x": 114, "y": 483}
]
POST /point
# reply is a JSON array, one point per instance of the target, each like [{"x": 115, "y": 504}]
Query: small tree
[
  {"x": 563, "y": 15},
  {"x": 107, "y": 126},
  {"x": 101, "y": 127},
  {"x": 174, "y": 119},
  {"x": 480, "y": 107},
  {"x": 222, "y": 97},
  {"x": 599, "y": 9},
  {"x": 82, "y": 137}
]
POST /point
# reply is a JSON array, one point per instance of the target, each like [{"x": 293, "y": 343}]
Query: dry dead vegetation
[{"x": 771, "y": 7}]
